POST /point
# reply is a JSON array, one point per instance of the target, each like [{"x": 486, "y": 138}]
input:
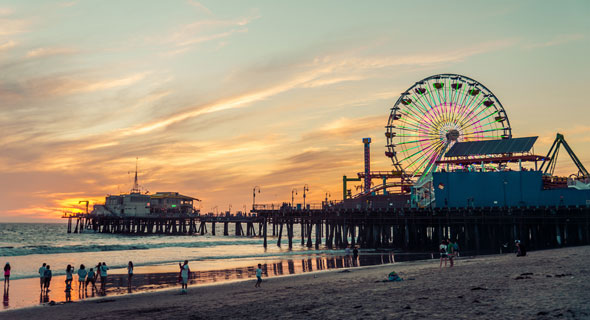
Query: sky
[{"x": 216, "y": 97}]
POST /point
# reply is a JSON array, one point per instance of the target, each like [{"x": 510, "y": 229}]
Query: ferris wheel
[{"x": 436, "y": 112}]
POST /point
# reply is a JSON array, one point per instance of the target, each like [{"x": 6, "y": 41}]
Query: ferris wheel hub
[{"x": 453, "y": 135}]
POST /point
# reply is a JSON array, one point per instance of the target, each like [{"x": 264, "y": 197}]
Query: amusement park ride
[{"x": 450, "y": 123}]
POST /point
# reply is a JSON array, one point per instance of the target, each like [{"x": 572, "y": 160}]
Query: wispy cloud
[
  {"x": 7, "y": 45},
  {"x": 13, "y": 26},
  {"x": 6, "y": 11},
  {"x": 556, "y": 41},
  {"x": 49, "y": 51},
  {"x": 200, "y": 7}
]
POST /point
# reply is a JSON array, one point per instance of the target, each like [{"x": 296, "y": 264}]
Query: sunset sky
[{"x": 216, "y": 97}]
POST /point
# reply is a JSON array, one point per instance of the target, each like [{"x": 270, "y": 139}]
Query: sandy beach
[{"x": 545, "y": 284}]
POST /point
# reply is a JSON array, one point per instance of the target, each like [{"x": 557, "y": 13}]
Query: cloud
[
  {"x": 7, "y": 45},
  {"x": 6, "y": 11},
  {"x": 556, "y": 41},
  {"x": 43, "y": 52},
  {"x": 13, "y": 26},
  {"x": 200, "y": 6},
  {"x": 68, "y": 85}
]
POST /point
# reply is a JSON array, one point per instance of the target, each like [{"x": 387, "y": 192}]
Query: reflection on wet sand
[{"x": 118, "y": 284}]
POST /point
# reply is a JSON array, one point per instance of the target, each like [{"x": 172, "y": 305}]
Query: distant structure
[{"x": 138, "y": 204}]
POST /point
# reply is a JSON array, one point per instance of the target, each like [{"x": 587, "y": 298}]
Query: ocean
[{"x": 26, "y": 246}]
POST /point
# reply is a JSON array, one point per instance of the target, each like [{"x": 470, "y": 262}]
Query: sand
[{"x": 544, "y": 285}]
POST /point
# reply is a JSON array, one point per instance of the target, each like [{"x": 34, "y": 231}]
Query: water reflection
[{"x": 5, "y": 299}]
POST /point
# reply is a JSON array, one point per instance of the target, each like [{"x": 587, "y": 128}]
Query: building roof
[
  {"x": 171, "y": 195},
  {"x": 487, "y": 147}
]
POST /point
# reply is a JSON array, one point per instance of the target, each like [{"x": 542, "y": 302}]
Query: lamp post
[
  {"x": 254, "y": 195},
  {"x": 305, "y": 189},
  {"x": 294, "y": 191},
  {"x": 327, "y": 195}
]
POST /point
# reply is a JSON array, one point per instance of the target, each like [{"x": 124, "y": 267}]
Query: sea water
[{"x": 28, "y": 245}]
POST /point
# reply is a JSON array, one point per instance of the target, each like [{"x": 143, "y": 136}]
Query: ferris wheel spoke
[
  {"x": 424, "y": 154},
  {"x": 417, "y": 152},
  {"x": 467, "y": 109},
  {"x": 477, "y": 121},
  {"x": 474, "y": 115},
  {"x": 428, "y": 158},
  {"x": 427, "y": 110}
]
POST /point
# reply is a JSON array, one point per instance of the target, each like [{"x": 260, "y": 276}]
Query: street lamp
[
  {"x": 305, "y": 189},
  {"x": 254, "y": 195},
  {"x": 327, "y": 195},
  {"x": 294, "y": 191}
]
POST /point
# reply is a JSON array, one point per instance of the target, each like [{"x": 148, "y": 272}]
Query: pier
[{"x": 490, "y": 229}]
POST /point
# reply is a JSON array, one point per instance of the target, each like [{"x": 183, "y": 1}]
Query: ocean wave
[{"x": 45, "y": 249}]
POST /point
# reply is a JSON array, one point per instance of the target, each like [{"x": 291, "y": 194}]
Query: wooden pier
[{"x": 477, "y": 229}]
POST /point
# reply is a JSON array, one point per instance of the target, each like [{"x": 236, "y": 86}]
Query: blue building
[{"x": 504, "y": 188}]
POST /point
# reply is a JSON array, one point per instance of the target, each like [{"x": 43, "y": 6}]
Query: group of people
[
  {"x": 85, "y": 277},
  {"x": 448, "y": 249}
]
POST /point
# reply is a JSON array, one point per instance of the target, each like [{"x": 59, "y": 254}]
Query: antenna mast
[{"x": 135, "y": 184}]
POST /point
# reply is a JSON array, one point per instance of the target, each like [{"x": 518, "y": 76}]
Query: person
[
  {"x": 184, "y": 274},
  {"x": 82, "y": 276},
  {"x": 258, "y": 276},
  {"x": 98, "y": 265},
  {"x": 520, "y": 249},
  {"x": 47, "y": 278},
  {"x": 129, "y": 273},
  {"x": 442, "y": 248},
  {"x": 91, "y": 278},
  {"x": 393, "y": 276},
  {"x": 68, "y": 291},
  {"x": 347, "y": 251},
  {"x": 7, "y": 274},
  {"x": 69, "y": 274},
  {"x": 456, "y": 248},
  {"x": 355, "y": 253},
  {"x": 450, "y": 252},
  {"x": 103, "y": 277},
  {"x": 42, "y": 275}
]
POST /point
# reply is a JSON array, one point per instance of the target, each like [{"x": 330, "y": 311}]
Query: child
[
  {"x": 258, "y": 276},
  {"x": 184, "y": 274},
  {"x": 7, "y": 274}
]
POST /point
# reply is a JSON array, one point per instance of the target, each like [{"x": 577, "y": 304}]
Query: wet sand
[
  {"x": 26, "y": 292},
  {"x": 544, "y": 285}
]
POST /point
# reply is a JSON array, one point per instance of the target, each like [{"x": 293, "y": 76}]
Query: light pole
[
  {"x": 294, "y": 191},
  {"x": 230, "y": 209},
  {"x": 254, "y": 195},
  {"x": 305, "y": 189},
  {"x": 327, "y": 195}
]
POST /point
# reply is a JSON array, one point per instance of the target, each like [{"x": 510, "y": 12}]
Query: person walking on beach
[
  {"x": 184, "y": 274},
  {"x": 42, "y": 275},
  {"x": 355, "y": 253},
  {"x": 456, "y": 248},
  {"x": 258, "y": 276},
  {"x": 443, "y": 253},
  {"x": 451, "y": 251},
  {"x": 103, "y": 277},
  {"x": 69, "y": 274},
  {"x": 82, "y": 277},
  {"x": 129, "y": 273},
  {"x": 48, "y": 275},
  {"x": 91, "y": 278},
  {"x": 6, "y": 275}
]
